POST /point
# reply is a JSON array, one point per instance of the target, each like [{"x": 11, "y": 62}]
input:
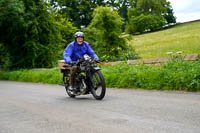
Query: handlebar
[{"x": 82, "y": 59}]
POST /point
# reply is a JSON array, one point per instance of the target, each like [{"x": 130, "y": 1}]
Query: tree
[
  {"x": 104, "y": 31},
  {"x": 3, "y": 56},
  {"x": 43, "y": 38},
  {"x": 169, "y": 15},
  {"x": 12, "y": 27},
  {"x": 146, "y": 22},
  {"x": 155, "y": 7},
  {"x": 80, "y": 12},
  {"x": 77, "y": 12},
  {"x": 67, "y": 31},
  {"x": 154, "y": 13},
  {"x": 31, "y": 34},
  {"x": 122, "y": 8}
]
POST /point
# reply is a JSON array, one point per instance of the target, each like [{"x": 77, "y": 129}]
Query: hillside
[{"x": 183, "y": 37}]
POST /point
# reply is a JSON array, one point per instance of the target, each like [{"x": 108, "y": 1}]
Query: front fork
[{"x": 91, "y": 81}]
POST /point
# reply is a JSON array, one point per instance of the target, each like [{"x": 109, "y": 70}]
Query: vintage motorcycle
[{"x": 88, "y": 79}]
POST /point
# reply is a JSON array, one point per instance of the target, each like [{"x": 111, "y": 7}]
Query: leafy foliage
[
  {"x": 145, "y": 23},
  {"x": 104, "y": 31},
  {"x": 169, "y": 15},
  {"x": 78, "y": 12},
  {"x": 3, "y": 56},
  {"x": 122, "y": 8},
  {"x": 31, "y": 33},
  {"x": 12, "y": 27},
  {"x": 67, "y": 31},
  {"x": 149, "y": 15}
]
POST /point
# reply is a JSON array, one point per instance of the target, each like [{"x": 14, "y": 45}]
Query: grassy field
[{"x": 183, "y": 37}]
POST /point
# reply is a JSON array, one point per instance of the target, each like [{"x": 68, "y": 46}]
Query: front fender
[{"x": 96, "y": 68}]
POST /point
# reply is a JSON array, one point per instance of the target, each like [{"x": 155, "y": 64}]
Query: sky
[{"x": 186, "y": 10}]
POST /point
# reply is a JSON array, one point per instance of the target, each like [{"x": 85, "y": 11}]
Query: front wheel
[{"x": 98, "y": 85}]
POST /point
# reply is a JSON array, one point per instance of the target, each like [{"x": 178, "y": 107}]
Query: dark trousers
[{"x": 73, "y": 71}]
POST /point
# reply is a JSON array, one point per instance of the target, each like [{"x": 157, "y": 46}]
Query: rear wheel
[{"x": 98, "y": 85}]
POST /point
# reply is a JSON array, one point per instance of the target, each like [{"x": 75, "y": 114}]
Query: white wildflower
[
  {"x": 169, "y": 53},
  {"x": 179, "y": 52}
]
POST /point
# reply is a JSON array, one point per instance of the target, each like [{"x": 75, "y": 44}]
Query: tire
[
  {"x": 69, "y": 92},
  {"x": 98, "y": 84}
]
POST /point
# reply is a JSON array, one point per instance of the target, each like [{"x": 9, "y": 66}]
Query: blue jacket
[{"x": 73, "y": 51}]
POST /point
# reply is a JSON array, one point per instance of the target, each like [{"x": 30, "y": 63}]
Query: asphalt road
[{"x": 42, "y": 108}]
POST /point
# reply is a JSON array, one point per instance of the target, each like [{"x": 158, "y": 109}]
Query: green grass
[
  {"x": 174, "y": 75},
  {"x": 51, "y": 76},
  {"x": 183, "y": 37}
]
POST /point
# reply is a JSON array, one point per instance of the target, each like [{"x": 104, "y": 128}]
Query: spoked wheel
[{"x": 98, "y": 85}]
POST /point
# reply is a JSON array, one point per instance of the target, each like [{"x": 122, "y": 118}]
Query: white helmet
[{"x": 79, "y": 34}]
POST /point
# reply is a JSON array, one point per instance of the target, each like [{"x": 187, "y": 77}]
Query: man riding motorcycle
[{"x": 75, "y": 50}]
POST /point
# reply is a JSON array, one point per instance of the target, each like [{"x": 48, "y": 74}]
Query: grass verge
[
  {"x": 174, "y": 75},
  {"x": 51, "y": 76}
]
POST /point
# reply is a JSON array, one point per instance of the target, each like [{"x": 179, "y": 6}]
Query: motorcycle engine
[{"x": 80, "y": 83}]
